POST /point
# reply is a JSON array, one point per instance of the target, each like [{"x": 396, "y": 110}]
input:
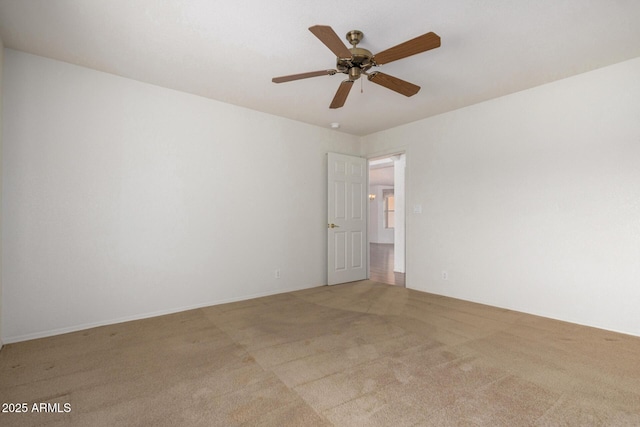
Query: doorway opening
[{"x": 387, "y": 219}]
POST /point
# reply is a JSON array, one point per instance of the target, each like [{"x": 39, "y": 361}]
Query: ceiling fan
[{"x": 356, "y": 61}]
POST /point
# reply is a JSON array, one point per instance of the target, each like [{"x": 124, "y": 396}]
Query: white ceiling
[{"x": 230, "y": 50}]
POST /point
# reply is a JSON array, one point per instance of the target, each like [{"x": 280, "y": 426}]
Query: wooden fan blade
[
  {"x": 410, "y": 47},
  {"x": 341, "y": 95},
  {"x": 292, "y": 77},
  {"x": 331, "y": 40},
  {"x": 394, "y": 83}
]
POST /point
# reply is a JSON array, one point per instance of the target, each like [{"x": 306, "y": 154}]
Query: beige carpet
[{"x": 360, "y": 354}]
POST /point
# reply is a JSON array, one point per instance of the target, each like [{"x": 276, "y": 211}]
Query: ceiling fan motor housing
[{"x": 360, "y": 60}]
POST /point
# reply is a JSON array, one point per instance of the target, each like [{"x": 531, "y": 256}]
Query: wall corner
[{"x": 1, "y": 114}]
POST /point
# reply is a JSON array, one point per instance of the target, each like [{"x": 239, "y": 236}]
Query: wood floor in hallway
[{"x": 381, "y": 265}]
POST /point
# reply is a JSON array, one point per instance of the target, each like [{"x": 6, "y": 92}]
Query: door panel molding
[{"x": 347, "y": 218}]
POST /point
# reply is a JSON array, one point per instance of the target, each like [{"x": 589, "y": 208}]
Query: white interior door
[{"x": 347, "y": 218}]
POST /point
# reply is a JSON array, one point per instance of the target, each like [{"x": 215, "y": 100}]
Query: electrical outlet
[
  {"x": 276, "y": 274},
  {"x": 445, "y": 275}
]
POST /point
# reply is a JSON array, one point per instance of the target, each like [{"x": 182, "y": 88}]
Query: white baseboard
[{"x": 81, "y": 327}]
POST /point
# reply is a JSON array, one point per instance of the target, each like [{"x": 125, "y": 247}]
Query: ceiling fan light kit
[{"x": 356, "y": 61}]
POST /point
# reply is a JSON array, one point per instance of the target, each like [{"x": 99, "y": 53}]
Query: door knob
[{"x": 333, "y": 225}]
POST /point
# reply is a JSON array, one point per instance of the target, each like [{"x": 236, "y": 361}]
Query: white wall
[
  {"x": 531, "y": 201},
  {"x": 124, "y": 200},
  {"x": 1, "y": 66}
]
